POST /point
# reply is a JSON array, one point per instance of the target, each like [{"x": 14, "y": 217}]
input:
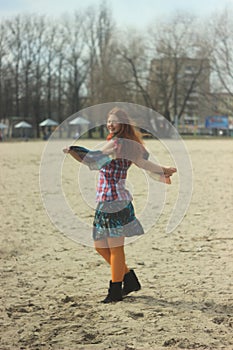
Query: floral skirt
[{"x": 115, "y": 219}]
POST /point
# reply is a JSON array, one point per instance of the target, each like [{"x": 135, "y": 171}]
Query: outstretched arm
[
  {"x": 154, "y": 168},
  {"x": 93, "y": 159},
  {"x": 108, "y": 148}
]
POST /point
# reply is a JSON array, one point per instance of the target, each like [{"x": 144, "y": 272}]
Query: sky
[{"x": 136, "y": 13}]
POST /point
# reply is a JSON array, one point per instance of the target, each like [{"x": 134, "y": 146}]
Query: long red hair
[{"x": 127, "y": 131}]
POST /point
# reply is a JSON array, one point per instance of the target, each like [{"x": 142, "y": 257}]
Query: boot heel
[{"x": 131, "y": 283}]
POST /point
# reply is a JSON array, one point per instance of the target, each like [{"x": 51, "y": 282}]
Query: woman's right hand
[{"x": 66, "y": 150}]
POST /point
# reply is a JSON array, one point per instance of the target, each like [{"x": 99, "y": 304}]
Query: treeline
[{"x": 53, "y": 68}]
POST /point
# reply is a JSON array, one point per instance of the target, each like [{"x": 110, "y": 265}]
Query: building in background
[
  {"x": 222, "y": 104},
  {"x": 180, "y": 90}
]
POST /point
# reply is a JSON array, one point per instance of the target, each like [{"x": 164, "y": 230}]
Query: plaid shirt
[{"x": 111, "y": 182}]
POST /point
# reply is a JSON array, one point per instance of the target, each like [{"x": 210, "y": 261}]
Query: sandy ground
[{"x": 51, "y": 286}]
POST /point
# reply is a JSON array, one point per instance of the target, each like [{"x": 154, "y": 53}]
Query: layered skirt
[{"x": 115, "y": 219}]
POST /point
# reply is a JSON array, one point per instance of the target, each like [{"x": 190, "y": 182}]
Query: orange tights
[{"x": 112, "y": 250}]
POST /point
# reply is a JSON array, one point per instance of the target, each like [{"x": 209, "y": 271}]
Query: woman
[{"x": 114, "y": 217}]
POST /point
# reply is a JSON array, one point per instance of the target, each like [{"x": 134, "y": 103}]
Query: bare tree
[
  {"x": 28, "y": 37},
  {"x": 38, "y": 68},
  {"x": 180, "y": 66},
  {"x": 15, "y": 47},
  {"x": 60, "y": 46},
  {"x": 3, "y": 55},
  {"x": 75, "y": 61},
  {"x": 101, "y": 42},
  {"x": 222, "y": 57},
  {"x": 133, "y": 66},
  {"x": 49, "y": 59}
]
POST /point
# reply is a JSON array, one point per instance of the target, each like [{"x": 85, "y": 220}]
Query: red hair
[{"x": 127, "y": 131}]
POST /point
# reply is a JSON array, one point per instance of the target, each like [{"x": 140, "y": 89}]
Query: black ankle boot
[
  {"x": 131, "y": 283},
  {"x": 114, "y": 292}
]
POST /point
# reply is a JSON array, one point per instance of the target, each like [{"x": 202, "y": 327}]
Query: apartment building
[{"x": 180, "y": 88}]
